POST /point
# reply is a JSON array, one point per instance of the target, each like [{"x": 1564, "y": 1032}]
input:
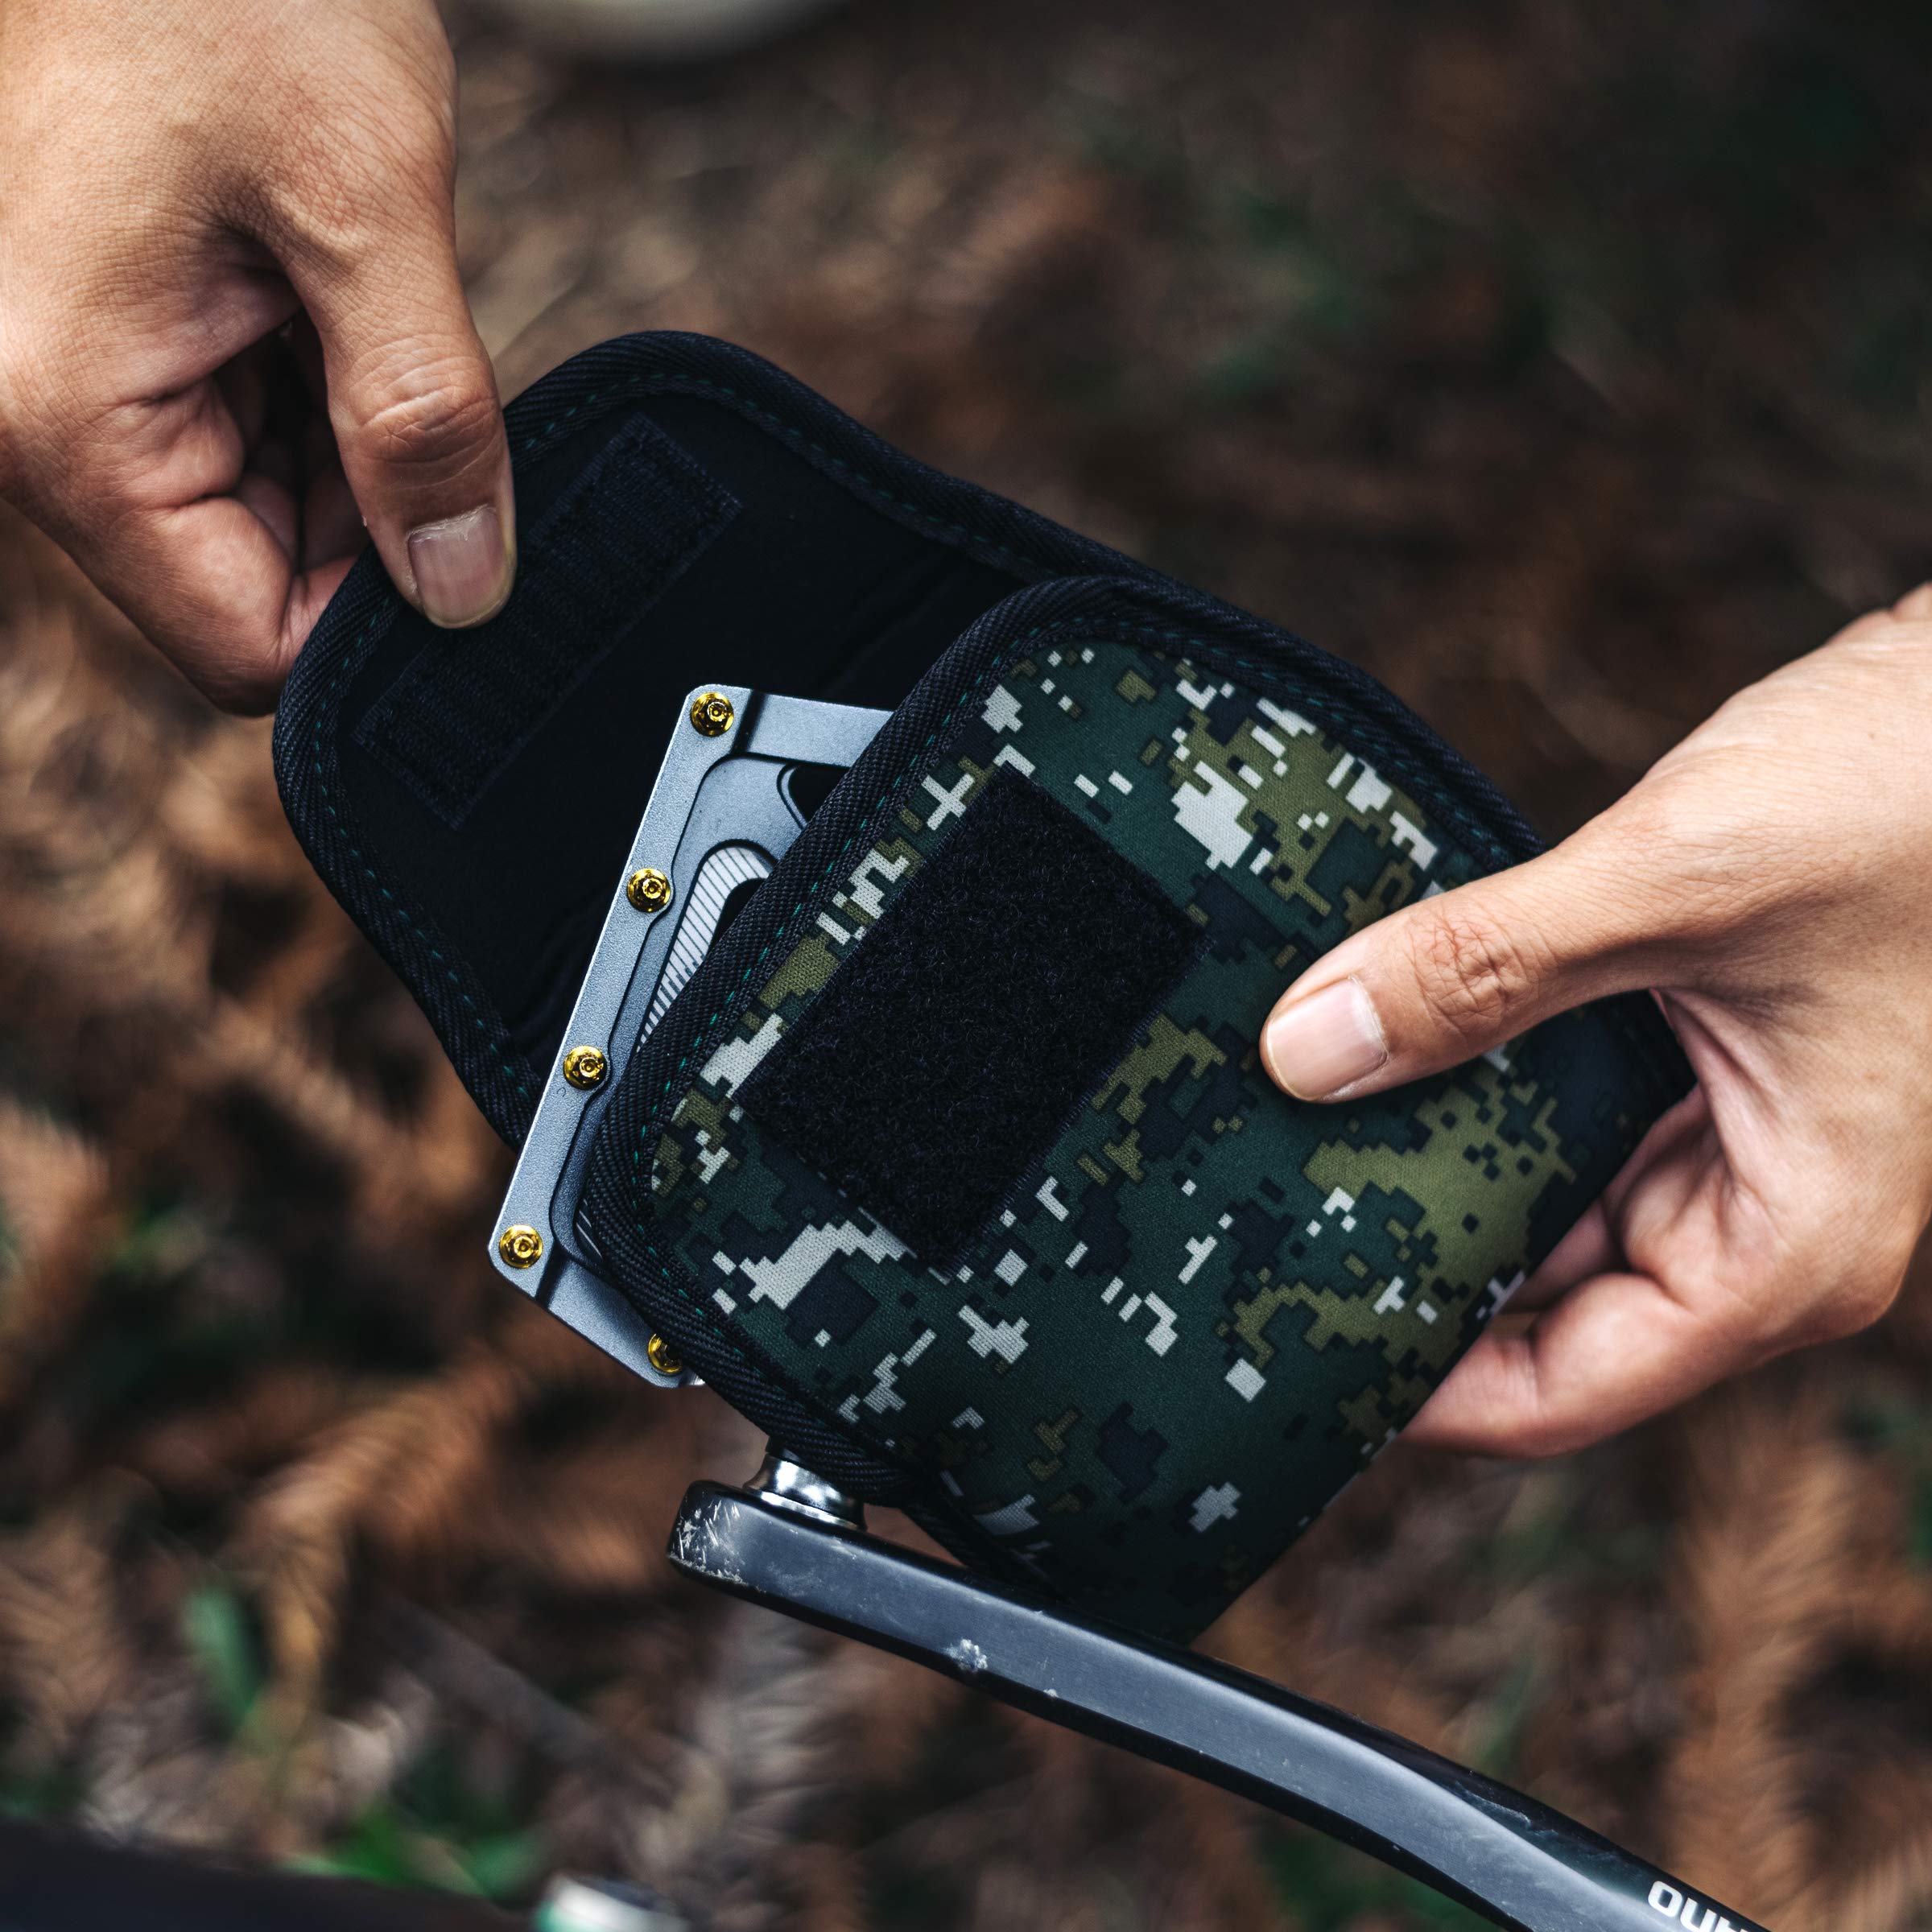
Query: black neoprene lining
[
  {"x": 848, "y": 571},
  {"x": 606, "y": 550},
  {"x": 945, "y": 1055},
  {"x": 617, "y": 1210}
]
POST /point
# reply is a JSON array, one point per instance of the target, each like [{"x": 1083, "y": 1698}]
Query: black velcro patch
[
  {"x": 623, "y": 533},
  {"x": 946, "y": 1053}
]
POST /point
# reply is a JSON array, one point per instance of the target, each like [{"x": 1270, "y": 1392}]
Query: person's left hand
[{"x": 234, "y": 344}]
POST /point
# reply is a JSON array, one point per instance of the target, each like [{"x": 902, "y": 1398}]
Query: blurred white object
[
  {"x": 602, "y": 1904},
  {"x": 669, "y": 30}
]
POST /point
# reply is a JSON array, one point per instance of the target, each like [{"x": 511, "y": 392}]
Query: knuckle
[
  {"x": 437, "y": 424},
  {"x": 1473, "y": 975},
  {"x": 337, "y": 192},
  {"x": 348, "y": 211},
  {"x": 1915, "y": 606},
  {"x": 416, "y": 150},
  {"x": 319, "y": 216}
]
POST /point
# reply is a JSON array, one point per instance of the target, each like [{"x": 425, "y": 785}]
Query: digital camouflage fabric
[{"x": 1209, "y": 1307}]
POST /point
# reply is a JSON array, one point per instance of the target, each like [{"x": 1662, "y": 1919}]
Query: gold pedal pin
[
  {"x": 585, "y": 1067},
  {"x": 648, "y": 890},
  {"x": 520, "y": 1246}
]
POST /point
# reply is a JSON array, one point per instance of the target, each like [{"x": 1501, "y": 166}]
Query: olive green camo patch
[{"x": 1209, "y": 1306}]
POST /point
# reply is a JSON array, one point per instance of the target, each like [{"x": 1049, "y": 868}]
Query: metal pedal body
[{"x": 741, "y": 775}]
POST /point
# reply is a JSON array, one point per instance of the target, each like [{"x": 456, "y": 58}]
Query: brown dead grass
[{"x": 1517, "y": 359}]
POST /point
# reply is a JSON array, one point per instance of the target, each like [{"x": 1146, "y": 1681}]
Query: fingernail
[
  {"x": 462, "y": 567},
  {"x": 1319, "y": 1044}
]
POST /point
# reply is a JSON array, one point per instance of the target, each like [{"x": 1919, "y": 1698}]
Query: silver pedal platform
[{"x": 744, "y": 771}]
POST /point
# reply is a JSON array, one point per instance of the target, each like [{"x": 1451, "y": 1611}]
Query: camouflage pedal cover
[{"x": 955, "y": 1164}]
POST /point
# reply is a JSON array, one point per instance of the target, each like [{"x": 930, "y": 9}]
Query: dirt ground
[{"x": 1566, "y": 367}]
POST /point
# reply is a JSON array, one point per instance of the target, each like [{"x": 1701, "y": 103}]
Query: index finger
[{"x": 158, "y": 503}]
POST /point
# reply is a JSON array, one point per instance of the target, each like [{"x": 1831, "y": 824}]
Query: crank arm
[{"x": 792, "y": 1543}]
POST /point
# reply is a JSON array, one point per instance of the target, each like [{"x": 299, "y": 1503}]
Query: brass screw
[
  {"x": 711, "y": 712},
  {"x": 660, "y": 1355},
  {"x": 648, "y": 890},
  {"x": 585, "y": 1067},
  {"x": 520, "y": 1246}
]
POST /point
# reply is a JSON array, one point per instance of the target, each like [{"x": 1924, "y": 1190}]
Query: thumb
[
  {"x": 412, "y": 402},
  {"x": 1456, "y": 974}
]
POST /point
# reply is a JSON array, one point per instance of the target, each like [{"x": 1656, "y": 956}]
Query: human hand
[
  {"x": 1772, "y": 879},
  {"x": 231, "y": 326}
]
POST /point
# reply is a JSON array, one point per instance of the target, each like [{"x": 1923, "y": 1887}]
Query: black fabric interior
[
  {"x": 808, "y": 590},
  {"x": 946, "y": 1053},
  {"x": 605, "y": 551}
]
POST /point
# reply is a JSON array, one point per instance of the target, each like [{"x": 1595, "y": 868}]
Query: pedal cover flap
[
  {"x": 954, "y": 1165},
  {"x": 469, "y": 795}
]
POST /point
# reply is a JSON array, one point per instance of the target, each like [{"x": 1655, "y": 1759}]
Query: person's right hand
[
  {"x": 232, "y": 331},
  {"x": 1771, "y": 878}
]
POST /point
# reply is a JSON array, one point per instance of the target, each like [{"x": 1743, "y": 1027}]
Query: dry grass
[{"x": 1556, "y": 369}]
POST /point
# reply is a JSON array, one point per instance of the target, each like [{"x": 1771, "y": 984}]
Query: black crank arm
[{"x": 1504, "y": 1856}]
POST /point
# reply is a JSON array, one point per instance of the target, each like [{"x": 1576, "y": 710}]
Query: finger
[
  {"x": 212, "y": 583},
  {"x": 413, "y": 398},
  {"x": 162, "y": 508},
  {"x": 269, "y": 498},
  {"x": 332, "y": 526},
  {"x": 1665, "y": 1204},
  {"x": 232, "y": 608},
  {"x": 1590, "y": 1248},
  {"x": 1612, "y": 1352},
  {"x": 1461, "y": 972}
]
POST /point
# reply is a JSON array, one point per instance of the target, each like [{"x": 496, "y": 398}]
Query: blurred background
[{"x": 1567, "y": 366}]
